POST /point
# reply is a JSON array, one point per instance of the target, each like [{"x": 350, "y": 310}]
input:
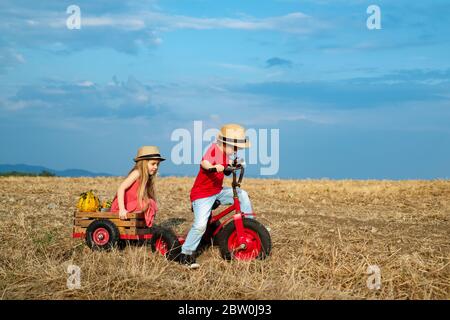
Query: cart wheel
[
  {"x": 102, "y": 235},
  {"x": 257, "y": 242},
  {"x": 165, "y": 242}
]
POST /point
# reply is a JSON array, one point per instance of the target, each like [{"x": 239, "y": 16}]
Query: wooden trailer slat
[
  {"x": 134, "y": 231},
  {"x": 140, "y": 223},
  {"x": 124, "y": 230},
  {"x": 108, "y": 215}
]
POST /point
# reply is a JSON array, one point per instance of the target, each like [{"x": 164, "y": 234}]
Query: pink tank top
[{"x": 132, "y": 204}]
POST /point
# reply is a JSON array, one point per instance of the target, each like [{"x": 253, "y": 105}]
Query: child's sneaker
[{"x": 189, "y": 261}]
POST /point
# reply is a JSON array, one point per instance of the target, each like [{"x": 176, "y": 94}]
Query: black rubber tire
[
  {"x": 252, "y": 224},
  {"x": 170, "y": 239},
  {"x": 112, "y": 230},
  {"x": 122, "y": 244}
]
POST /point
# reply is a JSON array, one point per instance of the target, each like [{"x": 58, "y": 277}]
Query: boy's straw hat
[
  {"x": 148, "y": 153},
  {"x": 234, "y": 135}
]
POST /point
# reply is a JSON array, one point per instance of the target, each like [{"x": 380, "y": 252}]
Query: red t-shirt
[{"x": 209, "y": 183}]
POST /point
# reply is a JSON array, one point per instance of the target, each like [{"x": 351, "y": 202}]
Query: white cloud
[
  {"x": 86, "y": 84},
  {"x": 9, "y": 58},
  {"x": 126, "y": 29},
  {"x": 239, "y": 67},
  {"x": 126, "y": 99},
  {"x": 295, "y": 22}
]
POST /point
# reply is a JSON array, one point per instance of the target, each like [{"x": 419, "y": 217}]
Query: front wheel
[{"x": 256, "y": 242}]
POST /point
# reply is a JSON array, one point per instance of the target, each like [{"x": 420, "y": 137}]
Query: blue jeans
[{"x": 202, "y": 210}]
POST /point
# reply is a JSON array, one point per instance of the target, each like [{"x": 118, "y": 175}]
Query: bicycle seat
[{"x": 214, "y": 206}]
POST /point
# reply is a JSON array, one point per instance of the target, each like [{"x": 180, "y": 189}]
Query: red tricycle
[{"x": 238, "y": 236}]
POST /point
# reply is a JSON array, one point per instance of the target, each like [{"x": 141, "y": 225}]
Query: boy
[{"x": 208, "y": 187}]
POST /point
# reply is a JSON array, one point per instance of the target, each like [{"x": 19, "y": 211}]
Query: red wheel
[
  {"x": 250, "y": 242},
  {"x": 100, "y": 236},
  {"x": 254, "y": 244},
  {"x": 165, "y": 242},
  {"x": 161, "y": 246}
]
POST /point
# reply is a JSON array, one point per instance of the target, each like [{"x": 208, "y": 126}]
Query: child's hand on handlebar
[
  {"x": 228, "y": 170},
  {"x": 219, "y": 167}
]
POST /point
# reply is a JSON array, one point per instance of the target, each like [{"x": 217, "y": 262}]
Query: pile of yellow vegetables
[{"x": 89, "y": 202}]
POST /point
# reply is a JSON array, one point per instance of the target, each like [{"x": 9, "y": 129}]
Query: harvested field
[{"x": 325, "y": 234}]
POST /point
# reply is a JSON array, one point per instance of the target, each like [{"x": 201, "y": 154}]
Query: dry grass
[{"x": 325, "y": 234}]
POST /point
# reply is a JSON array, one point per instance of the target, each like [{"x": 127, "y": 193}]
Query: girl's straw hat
[
  {"x": 234, "y": 135},
  {"x": 148, "y": 153}
]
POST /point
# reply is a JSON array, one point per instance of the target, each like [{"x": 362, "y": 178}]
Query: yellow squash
[{"x": 88, "y": 202}]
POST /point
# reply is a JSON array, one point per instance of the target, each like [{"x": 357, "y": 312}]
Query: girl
[{"x": 137, "y": 191}]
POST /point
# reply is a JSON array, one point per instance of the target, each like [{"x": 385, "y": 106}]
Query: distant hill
[{"x": 60, "y": 173}]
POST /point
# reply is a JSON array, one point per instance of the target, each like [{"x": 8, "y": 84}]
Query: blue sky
[{"x": 349, "y": 102}]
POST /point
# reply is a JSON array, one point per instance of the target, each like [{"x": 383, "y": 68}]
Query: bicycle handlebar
[
  {"x": 228, "y": 169},
  {"x": 232, "y": 169}
]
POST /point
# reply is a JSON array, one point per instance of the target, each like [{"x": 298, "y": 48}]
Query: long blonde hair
[{"x": 146, "y": 188}]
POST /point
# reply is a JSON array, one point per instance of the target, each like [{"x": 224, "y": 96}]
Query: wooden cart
[
  {"x": 133, "y": 228},
  {"x": 104, "y": 230}
]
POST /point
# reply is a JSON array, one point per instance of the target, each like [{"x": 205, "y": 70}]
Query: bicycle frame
[{"x": 236, "y": 206}]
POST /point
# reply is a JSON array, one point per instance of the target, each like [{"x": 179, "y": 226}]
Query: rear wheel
[
  {"x": 256, "y": 242},
  {"x": 165, "y": 242},
  {"x": 102, "y": 235}
]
